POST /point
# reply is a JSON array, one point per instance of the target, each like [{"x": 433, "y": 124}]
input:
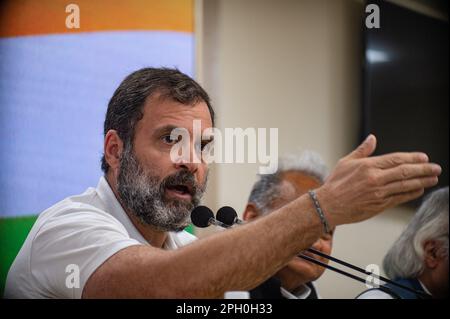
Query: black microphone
[
  {"x": 203, "y": 217},
  {"x": 228, "y": 216}
]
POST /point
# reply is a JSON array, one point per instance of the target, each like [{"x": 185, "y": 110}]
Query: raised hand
[{"x": 361, "y": 186}]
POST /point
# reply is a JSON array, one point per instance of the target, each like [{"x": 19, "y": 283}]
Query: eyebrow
[
  {"x": 165, "y": 129},
  {"x": 169, "y": 128}
]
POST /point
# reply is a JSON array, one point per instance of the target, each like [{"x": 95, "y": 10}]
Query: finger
[
  {"x": 396, "y": 159},
  {"x": 365, "y": 149},
  {"x": 406, "y": 186},
  {"x": 405, "y": 197},
  {"x": 409, "y": 171}
]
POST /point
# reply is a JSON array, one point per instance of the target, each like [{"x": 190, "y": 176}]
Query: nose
[
  {"x": 317, "y": 245},
  {"x": 191, "y": 167},
  {"x": 192, "y": 161},
  {"x": 191, "y": 164}
]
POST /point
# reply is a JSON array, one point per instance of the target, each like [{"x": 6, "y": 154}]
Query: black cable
[{"x": 311, "y": 250}]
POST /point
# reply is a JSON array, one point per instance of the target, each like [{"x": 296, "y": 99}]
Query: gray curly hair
[{"x": 405, "y": 259}]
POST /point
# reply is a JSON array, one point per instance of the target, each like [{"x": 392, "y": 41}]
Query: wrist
[
  {"x": 319, "y": 211},
  {"x": 324, "y": 198}
]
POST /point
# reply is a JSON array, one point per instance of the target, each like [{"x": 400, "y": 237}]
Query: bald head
[
  {"x": 296, "y": 175},
  {"x": 291, "y": 184}
]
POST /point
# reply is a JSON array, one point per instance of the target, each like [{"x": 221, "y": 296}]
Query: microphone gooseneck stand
[{"x": 227, "y": 217}]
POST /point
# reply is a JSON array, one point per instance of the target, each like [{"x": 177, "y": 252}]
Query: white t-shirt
[
  {"x": 374, "y": 294},
  {"x": 79, "y": 233}
]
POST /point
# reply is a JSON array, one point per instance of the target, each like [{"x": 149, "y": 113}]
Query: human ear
[
  {"x": 431, "y": 256},
  {"x": 113, "y": 148},
  {"x": 250, "y": 212}
]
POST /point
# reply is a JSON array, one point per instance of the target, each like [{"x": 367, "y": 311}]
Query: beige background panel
[{"x": 295, "y": 65}]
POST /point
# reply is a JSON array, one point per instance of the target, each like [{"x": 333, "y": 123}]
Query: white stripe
[{"x": 54, "y": 91}]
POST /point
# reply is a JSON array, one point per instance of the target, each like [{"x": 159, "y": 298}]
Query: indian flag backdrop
[{"x": 55, "y": 84}]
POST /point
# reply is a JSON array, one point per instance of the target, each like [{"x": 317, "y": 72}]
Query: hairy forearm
[
  {"x": 242, "y": 258},
  {"x": 237, "y": 259}
]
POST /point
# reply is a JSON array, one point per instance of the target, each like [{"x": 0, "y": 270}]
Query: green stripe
[
  {"x": 13, "y": 232},
  {"x": 190, "y": 229}
]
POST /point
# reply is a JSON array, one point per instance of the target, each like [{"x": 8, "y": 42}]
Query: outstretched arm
[{"x": 241, "y": 258}]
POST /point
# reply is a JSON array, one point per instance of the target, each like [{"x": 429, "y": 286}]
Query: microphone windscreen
[
  {"x": 226, "y": 215},
  {"x": 200, "y": 216}
]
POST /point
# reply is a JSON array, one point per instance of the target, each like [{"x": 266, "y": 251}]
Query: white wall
[{"x": 294, "y": 65}]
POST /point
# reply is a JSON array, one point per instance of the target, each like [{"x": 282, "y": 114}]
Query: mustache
[{"x": 185, "y": 178}]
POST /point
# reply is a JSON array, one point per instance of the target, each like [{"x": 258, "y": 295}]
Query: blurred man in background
[
  {"x": 295, "y": 176},
  {"x": 419, "y": 258}
]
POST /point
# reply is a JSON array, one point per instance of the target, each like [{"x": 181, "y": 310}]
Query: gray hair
[
  {"x": 267, "y": 188},
  {"x": 405, "y": 259}
]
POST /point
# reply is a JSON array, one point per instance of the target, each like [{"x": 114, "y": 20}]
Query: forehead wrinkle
[
  {"x": 159, "y": 98},
  {"x": 182, "y": 111},
  {"x": 158, "y": 116}
]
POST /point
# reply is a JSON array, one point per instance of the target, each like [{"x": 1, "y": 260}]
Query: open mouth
[{"x": 181, "y": 191}]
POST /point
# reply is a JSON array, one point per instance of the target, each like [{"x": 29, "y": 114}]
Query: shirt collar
[
  {"x": 300, "y": 293},
  {"x": 424, "y": 287}
]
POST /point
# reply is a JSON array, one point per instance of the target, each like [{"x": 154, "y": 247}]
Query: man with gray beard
[
  {"x": 122, "y": 239},
  {"x": 141, "y": 192}
]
